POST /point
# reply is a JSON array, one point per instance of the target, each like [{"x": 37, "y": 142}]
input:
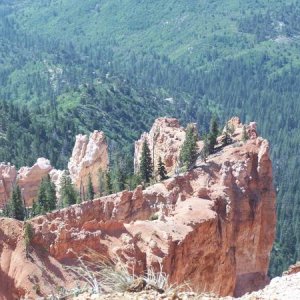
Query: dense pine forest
[{"x": 69, "y": 68}]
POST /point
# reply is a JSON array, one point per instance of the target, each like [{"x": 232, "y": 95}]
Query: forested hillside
[{"x": 74, "y": 66}]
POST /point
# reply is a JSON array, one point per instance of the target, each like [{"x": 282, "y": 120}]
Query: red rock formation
[
  {"x": 29, "y": 179},
  {"x": 8, "y": 175},
  {"x": 33, "y": 276},
  {"x": 293, "y": 269},
  {"x": 213, "y": 226},
  {"x": 88, "y": 157},
  {"x": 165, "y": 140}
]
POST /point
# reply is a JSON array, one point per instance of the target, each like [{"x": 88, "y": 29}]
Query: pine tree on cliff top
[
  {"x": 90, "y": 189},
  {"x": 17, "y": 206},
  {"x": 108, "y": 184},
  {"x": 188, "y": 153},
  {"x": 146, "y": 168},
  {"x": 213, "y": 134},
  {"x": 68, "y": 192},
  {"x": 162, "y": 172},
  {"x": 46, "y": 199}
]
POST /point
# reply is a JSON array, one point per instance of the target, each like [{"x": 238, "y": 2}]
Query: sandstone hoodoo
[
  {"x": 28, "y": 179},
  {"x": 212, "y": 226},
  {"x": 8, "y": 175},
  {"x": 89, "y": 157}
]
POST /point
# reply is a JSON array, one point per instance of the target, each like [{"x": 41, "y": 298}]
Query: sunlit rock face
[
  {"x": 212, "y": 226},
  {"x": 165, "y": 140},
  {"x": 89, "y": 156}
]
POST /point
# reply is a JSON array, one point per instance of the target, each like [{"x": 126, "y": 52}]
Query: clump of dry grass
[{"x": 105, "y": 276}]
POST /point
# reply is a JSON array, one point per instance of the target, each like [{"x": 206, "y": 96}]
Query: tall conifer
[
  {"x": 146, "y": 167},
  {"x": 90, "y": 189},
  {"x": 162, "y": 172},
  {"x": 188, "y": 153}
]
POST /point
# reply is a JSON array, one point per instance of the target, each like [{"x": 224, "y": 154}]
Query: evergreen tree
[
  {"x": 8, "y": 210},
  {"x": 17, "y": 206},
  {"x": 245, "y": 135},
  {"x": 162, "y": 172},
  {"x": 213, "y": 134},
  {"x": 101, "y": 180},
  {"x": 28, "y": 235},
  {"x": 90, "y": 189},
  {"x": 118, "y": 180},
  {"x": 46, "y": 199},
  {"x": 68, "y": 192},
  {"x": 205, "y": 151},
  {"x": 51, "y": 194},
  {"x": 146, "y": 168},
  {"x": 108, "y": 185},
  {"x": 188, "y": 153},
  {"x": 133, "y": 181},
  {"x": 35, "y": 210}
]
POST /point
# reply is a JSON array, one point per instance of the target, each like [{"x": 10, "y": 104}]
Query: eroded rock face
[
  {"x": 214, "y": 225},
  {"x": 56, "y": 176},
  {"x": 235, "y": 126},
  {"x": 89, "y": 156},
  {"x": 29, "y": 179},
  {"x": 8, "y": 175},
  {"x": 165, "y": 140},
  {"x": 20, "y": 276}
]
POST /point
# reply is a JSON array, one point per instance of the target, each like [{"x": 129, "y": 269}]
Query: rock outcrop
[
  {"x": 236, "y": 128},
  {"x": 293, "y": 270},
  {"x": 89, "y": 156},
  {"x": 29, "y": 276},
  {"x": 29, "y": 179},
  {"x": 165, "y": 140},
  {"x": 212, "y": 227},
  {"x": 8, "y": 176}
]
